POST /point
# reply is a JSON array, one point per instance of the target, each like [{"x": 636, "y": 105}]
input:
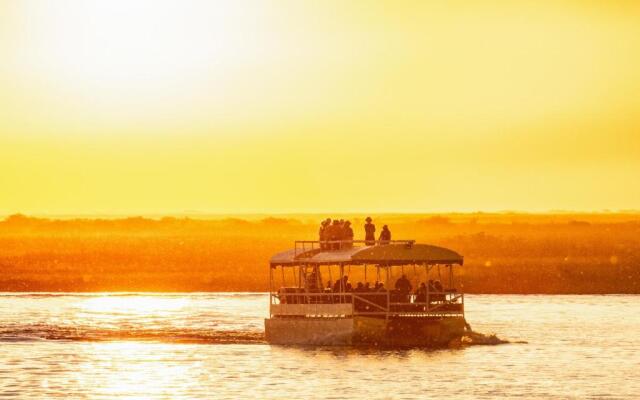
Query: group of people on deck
[
  {"x": 337, "y": 234},
  {"x": 337, "y": 230},
  {"x": 343, "y": 285},
  {"x": 403, "y": 289},
  {"x": 403, "y": 286}
]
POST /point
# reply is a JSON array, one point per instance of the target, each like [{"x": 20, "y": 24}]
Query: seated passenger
[
  {"x": 359, "y": 288},
  {"x": 344, "y": 283},
  {"x": 403, "y": 284},
  {"x": 431, "y": 289},
  {"x": 421, "y": 293},
  {"x": 281, "y": 296},
  {"x": 403, "y": 287},
  {"x": 311, "y": 282},
  {"x": 367, "y": 287},
  {"x": 385, "y": 235},
  {"x": 438, "y": 286}
]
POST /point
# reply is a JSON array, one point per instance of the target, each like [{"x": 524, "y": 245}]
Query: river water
[{"x": 210, "y": 345}]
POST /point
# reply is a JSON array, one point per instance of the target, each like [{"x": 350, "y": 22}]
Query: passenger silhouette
[
  {"x": 322, "y": 233},
  {"x": 421, "y": 293},
  {"x": 403, "y": 287},
  {"x": 403, "y": 284},
  {"x": 340, "y": 234},
  {"x": 385, "y": 235},
  {"x": 438, "y": 286},
  {"x": 332, "y": 233},
  {"x": 369, "y": 232},
  {"x": 345, "y": 281},
  {"x": 348, "y": 234}
]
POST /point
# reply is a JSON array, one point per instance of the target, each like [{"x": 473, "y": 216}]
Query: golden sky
[{"x": 298, "y": 106}]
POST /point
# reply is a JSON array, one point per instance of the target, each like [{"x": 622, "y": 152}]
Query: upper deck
[{"x": 353, "y": 252}]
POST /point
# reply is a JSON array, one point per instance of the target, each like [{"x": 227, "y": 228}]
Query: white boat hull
[
  {"x": 310, "y": 331},
  {"x": 404, "y": 332}
]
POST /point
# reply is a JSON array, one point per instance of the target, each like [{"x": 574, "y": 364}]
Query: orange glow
[{"x": 247, "y": 106}]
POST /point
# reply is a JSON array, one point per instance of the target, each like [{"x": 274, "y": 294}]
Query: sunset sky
[{"x": 299, "y": 106}]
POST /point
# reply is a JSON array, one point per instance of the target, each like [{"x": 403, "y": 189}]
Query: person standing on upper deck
[
  {"x": 385, "y": 235},
  {"x": 369, "y": 232},
  {"x": 334, "y": 233},
  {"x": 323, "y": 232},
  {"x": 347, "y": 234}
]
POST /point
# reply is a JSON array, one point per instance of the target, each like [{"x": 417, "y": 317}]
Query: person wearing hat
[{"x": 369, "y": 232}]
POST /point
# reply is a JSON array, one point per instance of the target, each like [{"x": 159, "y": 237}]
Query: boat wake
[
  {"x": 47, "y": 332},
  {"x": 58, "y": 333},
  {"x": 472, "y": 338}
]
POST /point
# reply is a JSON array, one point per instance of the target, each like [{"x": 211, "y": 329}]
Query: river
[{"x": 210, "y": 345}]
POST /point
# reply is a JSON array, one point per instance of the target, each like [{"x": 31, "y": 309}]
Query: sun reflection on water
[
  {"x": 133, "y": 305},
  {"x": 126, "y": 317},
  {"x": 137, "y": 370}
]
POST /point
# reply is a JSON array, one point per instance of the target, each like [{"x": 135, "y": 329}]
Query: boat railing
[
  {"x": 302, "y": 246},
  {"x": 446, "y": 302}
]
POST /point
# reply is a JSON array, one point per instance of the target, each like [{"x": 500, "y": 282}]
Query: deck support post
[
  {"x": 342, "y": 288},
  {"x": 428, "y": 291},
  {"x": 270, "y": 291},
  {"x": 388, "y": 294}
]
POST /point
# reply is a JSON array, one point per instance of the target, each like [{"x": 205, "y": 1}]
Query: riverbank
[{"x": 504, "y": 253}]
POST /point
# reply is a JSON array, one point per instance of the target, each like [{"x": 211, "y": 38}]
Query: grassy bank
[{"x": 504, "y": 253}]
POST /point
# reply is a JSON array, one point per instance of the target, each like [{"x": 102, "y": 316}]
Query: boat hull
[{"x": 366, "y": 331}]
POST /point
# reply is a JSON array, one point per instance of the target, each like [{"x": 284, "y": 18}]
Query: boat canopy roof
[{"x": 383, "y": 255}]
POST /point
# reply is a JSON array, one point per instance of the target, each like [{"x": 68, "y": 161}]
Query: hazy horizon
[{"x": 319, "y": 214}]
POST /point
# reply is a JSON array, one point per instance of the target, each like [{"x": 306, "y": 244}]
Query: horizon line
[{"x": 310, "y": 213}]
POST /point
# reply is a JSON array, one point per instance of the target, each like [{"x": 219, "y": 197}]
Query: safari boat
[{"x": 304, "y": 311}]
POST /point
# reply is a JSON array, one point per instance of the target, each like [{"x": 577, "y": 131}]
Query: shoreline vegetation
[{"x": 505, "y": 253}]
